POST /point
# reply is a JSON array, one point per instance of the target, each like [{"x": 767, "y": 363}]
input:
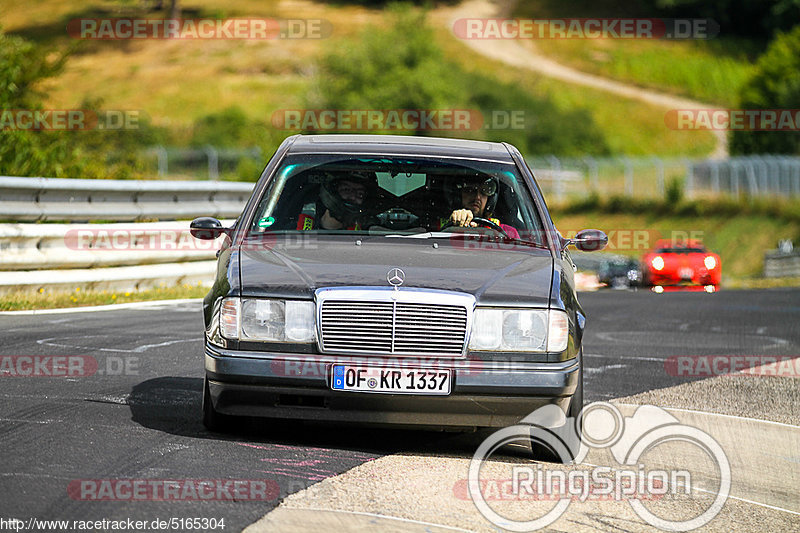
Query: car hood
[{"x": 496, "y": 274}]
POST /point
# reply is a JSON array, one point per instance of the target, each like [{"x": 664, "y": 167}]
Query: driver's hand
[{"x": 462, "y": 217}]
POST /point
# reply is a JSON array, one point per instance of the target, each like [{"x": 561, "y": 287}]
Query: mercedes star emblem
[{"x": 396, "y": 277}]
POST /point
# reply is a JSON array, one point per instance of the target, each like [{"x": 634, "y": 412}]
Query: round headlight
[
  {"x": 710, "y": 262},
  {"x": 524, "y": 329},
  {"x": 657, "y": 262}
]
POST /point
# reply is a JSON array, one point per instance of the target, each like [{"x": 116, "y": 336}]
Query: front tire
[{"x": 569, "y": 437}]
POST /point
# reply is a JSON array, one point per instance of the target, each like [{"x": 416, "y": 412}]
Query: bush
[
  {"x": 249, "y": 169},
  {"x": 674, "y": 191},
  {"x": 224, "y": 129}
]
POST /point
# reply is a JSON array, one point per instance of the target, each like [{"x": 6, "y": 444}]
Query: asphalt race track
[{"x": 136, "y": 416}]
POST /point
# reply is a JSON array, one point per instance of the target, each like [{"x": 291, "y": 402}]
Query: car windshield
[{"x": 394, "y": 196}]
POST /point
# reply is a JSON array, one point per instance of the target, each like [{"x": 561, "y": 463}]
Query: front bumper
[
  {"x": 296, "y": 386},
  {"x": 699, "y": 276}
]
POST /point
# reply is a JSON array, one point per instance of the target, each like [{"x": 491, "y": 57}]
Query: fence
[
  {"x": 564, "y": 177},
  {"x": 746, "y": 176},
  {"x": 190, "y": 160}
]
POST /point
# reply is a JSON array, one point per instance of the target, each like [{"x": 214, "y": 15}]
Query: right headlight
[
  {"x": 519, "y": 330},
  {"x": 267, "y": 320}
]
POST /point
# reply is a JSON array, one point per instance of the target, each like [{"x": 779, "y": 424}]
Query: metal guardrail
[
  {"x": 47, "y": 246},
  {"x": 55, "y": 199},
  {"x": 781, "y": 264},
  {"x": 124, "y": 278}
]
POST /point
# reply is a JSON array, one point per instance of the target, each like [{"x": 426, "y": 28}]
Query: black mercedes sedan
[{"x": 393, "y": 280}]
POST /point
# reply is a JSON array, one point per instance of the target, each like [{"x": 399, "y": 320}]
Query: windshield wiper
[
  {"x": 423, "y": 235},
  {"x": 450, "y": 235}
]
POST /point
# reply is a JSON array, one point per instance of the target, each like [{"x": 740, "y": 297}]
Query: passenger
[
  {"x": 478, "y": 199},
  {"x": 342, "y": 201}
]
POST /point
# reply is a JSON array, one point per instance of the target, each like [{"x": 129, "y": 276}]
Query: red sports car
[{"x": 681, "y": 263}]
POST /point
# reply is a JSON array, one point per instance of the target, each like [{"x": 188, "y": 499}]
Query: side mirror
[
  {"x": 207, "y": 228},
  {"x": 588, "y": 240}
]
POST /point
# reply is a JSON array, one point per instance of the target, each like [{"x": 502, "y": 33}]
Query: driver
[
  {"x": 478, "y": 198},
  {"x": 342, "y": 202}
]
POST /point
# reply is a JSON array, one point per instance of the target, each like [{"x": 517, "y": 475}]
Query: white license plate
[
  {"x": 686, "y": 273},
  {"x": 356, "y": 378}
]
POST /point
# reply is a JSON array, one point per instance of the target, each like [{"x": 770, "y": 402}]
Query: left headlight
[
  {"x": 519, "y": 330},
  {"x": 268, "y": 320}
]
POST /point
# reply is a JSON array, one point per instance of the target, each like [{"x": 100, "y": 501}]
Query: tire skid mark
[
  {"x": 129, "y": 465},
  {"x": 16, "y": 424}
]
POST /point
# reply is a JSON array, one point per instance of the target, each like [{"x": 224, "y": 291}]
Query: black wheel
[
  {"x": 567, "y": 437},
  {"x": 212, "y": 420},
  {"x": 576, "y": 404}
]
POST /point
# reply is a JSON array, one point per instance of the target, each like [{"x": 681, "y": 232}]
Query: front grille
[{"x": 393, "y": 328}]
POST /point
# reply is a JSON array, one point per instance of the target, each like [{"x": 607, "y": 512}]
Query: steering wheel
[{"x": 481, "y": 222}]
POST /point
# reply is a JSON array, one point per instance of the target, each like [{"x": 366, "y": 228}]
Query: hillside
[{"x": 177, "y": 83}]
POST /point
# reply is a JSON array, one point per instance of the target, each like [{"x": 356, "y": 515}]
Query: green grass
[
  {"x": 762, "y": 283},
  {"x": 688, "y": 69},
  {"x": 59, "y": 299},
  {"x": 706, "y": 70}
]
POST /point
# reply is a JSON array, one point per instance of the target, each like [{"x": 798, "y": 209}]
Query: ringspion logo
[{"x": 601, "y": 426}]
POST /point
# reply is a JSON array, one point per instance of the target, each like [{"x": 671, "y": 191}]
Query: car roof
[{"x": 399, "y": 145}]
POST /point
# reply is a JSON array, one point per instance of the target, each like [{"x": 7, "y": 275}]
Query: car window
[
  {"x": 680, "y": 251},
  {"x": 390, "y": 195}
]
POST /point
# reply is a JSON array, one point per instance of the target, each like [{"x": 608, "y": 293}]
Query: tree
[
  {"x": 22, "y": 67},
  {"x": 775, "y": 85},
  {"x": 398, "y": 68}
]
